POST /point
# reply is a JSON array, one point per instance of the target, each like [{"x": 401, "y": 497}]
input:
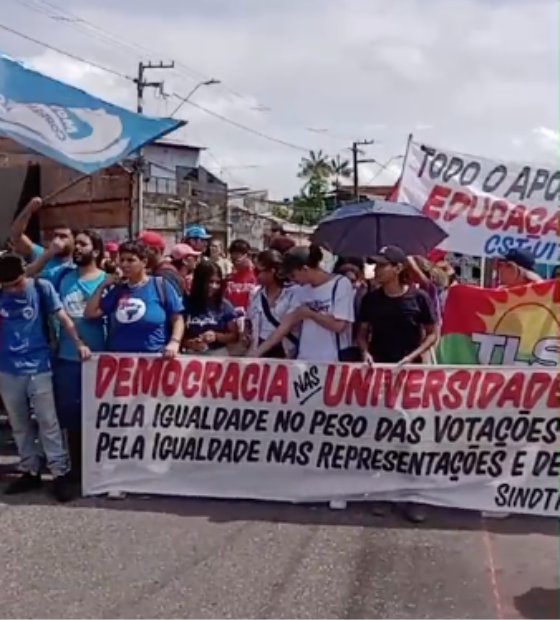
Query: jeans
[
  {"x": 67, "y": 383},
  {"x": 23, "y": 397}
]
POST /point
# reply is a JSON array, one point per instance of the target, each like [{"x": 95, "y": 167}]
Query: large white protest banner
[
  {"x": 487, "y": 207},
  {"x": 472, "y": 437}
]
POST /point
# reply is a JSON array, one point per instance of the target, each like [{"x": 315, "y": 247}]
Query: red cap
[
  {"x": 152, "y": 239},
  {"x": 435, "y": 255},
  {"x": 112, "y": 246},
  {"x": 182, "y": 250}
]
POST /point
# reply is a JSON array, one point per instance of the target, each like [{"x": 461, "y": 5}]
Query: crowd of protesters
[{"x": 79, "y": 296}]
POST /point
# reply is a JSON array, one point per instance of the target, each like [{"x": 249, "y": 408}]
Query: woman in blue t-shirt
[
  {"x": 210, "y": 320},
  {"x": 144, "y": 312}
]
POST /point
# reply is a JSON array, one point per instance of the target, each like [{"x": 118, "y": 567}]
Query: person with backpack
[
  {"x": 268, "y": 305},
  {"x": 323, "y": 308},
  {"x": 144, "y": 312},
  {"x": 26, "y": 386},
  {"x": 75, "y": 283}
]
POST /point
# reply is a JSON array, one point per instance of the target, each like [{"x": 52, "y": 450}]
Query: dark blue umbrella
[{"x": 363, "y": 228}]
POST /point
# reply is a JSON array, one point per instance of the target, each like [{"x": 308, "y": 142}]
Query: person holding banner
[
  {"x": 268, "y": 305},
  {"x": 323, "y": 308},
  {"x": 211, "y": 325},
  {"x": 517, "y": 268},
  {"x": 397, "y": 324},
  {"x": 144, "y": 311}
]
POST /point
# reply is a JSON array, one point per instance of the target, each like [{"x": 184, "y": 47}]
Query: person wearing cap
[
  {"x": 517, "y": 267},
  {"x": 242, "y": 281},
  {"x": 197, "y": 237},
  {"x": 322, "y": 309},
  {"x": 397, "y": 323},
  {"x": 26, "y": 383},
  {"x": 184, "y": 260},
  {"x": 157, "y": 265},
  {"x": 112, "y": 251}
]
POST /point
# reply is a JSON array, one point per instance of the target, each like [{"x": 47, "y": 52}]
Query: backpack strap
[
  {"x": 159, "y": 281},
  {"x": 273, "y": 320},
  {"x": 41, "y": 287},
  {"x": 60, "y": 274},
  {"x": 334, "y": 290}
]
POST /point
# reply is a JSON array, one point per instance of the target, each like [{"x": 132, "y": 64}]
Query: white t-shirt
[
  {"x": 261, "y": 327},
  {"x": 316, "y": 343}
]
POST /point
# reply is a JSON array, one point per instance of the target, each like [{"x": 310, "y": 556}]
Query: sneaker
[
  {"x": 24, "y": 484},
  {"x": 378, "y": 509},
  {"x": 495, "y": 515},
  {"x": 62, "y": 489},
  {"x": 116, "y": 495},
  {"x": 413, "y": 513},
  {"x": 337, "y": 504}
]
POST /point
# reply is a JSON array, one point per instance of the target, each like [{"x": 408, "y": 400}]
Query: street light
[{"x": 211, "y": 82}]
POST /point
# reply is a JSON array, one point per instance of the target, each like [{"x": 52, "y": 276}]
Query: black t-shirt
[{"x": 396, "y": 323}]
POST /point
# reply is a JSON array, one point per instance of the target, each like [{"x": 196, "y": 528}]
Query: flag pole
[{"x": 64, "y": 188}]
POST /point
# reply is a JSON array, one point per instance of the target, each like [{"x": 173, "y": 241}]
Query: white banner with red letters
[
  {"x": 465, "y": 437},
  {"x": 487, "y": 207}
]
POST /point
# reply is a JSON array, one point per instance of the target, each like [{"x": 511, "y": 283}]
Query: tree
[
  {"x": 317, "y": 171},
  {"x": 340, "y": 169},
  {"x": 315, "y": 166},
  {"x": 311, "y": 204}
]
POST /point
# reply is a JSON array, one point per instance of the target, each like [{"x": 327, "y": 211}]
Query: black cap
[
  {"x": 390, "y": 254},
  {"x": 11, "y": 268},
  {"x": 295, "y": 258},
  {"x": 522, "y": 257}
]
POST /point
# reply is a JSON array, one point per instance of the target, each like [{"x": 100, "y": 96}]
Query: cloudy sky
[{"x": 477, "y": 76}]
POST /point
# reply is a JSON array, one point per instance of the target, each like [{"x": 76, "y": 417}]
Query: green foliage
[{"x": 321, "y": 177}]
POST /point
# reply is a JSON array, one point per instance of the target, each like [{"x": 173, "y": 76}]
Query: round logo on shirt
[
  {"x": 28, "y": 313},
  {"x": 75, "y": 304},
  {"x": 130, "y": 310}
]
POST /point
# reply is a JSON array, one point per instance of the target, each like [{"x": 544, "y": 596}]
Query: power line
[
  {"x": 250, "y": 130},
  {"x": 65, "y": 53},
  {"x": 255, "y": 132},
  {"x": 73, "y": 20}
]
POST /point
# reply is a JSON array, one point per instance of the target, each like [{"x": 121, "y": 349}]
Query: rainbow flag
[{"x": 507, "y": 327}]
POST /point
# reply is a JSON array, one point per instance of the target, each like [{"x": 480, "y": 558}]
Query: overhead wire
[
  {"x": 93, "y": 29},
  {"x": 99, "y": 66},
  {"x": 58, "y": 50}
]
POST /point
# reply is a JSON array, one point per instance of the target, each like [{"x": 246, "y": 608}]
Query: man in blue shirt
[
  {"x": 26, "y": 375},
  {"x": 75, "y": 283},
  {"x": 23, "y": 245}
]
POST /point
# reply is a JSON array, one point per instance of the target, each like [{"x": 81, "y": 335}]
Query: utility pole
[
  {"x": 356, "y": 162},
  {"x": 141, "y": 85}
]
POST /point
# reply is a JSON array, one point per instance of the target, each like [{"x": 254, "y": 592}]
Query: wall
[
  {"x": 101, "y": 201},
  {"x": 163, "y": 161},
  {"x": 206, "y": 198}
]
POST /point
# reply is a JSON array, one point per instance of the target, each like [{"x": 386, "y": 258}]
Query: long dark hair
[
  {"x": 273, "y": 261},
  {"x": 198, "y": 298}
]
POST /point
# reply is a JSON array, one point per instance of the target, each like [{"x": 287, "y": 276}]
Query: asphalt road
[{"x": 179, "y": 558}]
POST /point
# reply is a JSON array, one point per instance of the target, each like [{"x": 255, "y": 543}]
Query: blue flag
[{"x": 68, "y": 125}]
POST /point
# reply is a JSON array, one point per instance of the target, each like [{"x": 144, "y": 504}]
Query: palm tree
[
  {"x": 339, "y": 169},
  {"x": 315, "y": 166}
]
